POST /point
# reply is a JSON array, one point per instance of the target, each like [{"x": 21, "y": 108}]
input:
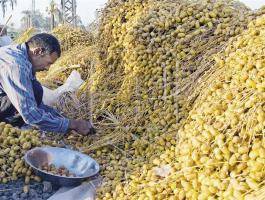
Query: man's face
[{"x": 42, "y": 62}]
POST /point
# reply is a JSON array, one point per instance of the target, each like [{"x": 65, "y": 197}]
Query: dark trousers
[{"x": 8, "y": 112}]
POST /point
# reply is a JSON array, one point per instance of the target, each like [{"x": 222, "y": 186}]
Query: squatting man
[{"x": 20, "y": 92}]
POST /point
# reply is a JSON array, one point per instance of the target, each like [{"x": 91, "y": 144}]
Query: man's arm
[
  {"x": 81, "y": 126},
  {"x": 50, "y": 109}
]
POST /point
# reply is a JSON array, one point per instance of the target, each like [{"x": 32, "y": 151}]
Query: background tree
[
  {"x": 55, "y": 14},
  {"x": 5, "y": 3},
  {"x": 26, "y": 19},
  {"x": 38, "y": 21}
]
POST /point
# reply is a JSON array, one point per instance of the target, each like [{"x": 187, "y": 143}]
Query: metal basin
[{"x": 83, "y": 166}]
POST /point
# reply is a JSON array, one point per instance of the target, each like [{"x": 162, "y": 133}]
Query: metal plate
[{"x": 83, "y": 166}]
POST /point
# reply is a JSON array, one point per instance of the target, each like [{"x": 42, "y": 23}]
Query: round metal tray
[{"x": 83, "y": 166}]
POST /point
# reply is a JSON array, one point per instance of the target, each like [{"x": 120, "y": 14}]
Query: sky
[{"x": 85, "y": 9}]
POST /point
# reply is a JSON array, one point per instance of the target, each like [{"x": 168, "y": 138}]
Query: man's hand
[{"x": 83, "y": 127}]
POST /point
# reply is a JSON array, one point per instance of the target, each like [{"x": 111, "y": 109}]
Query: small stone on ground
[{"x": 38, "y": 191}]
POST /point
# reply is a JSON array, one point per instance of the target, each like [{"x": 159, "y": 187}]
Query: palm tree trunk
[{"x": 4, "y": 5}]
